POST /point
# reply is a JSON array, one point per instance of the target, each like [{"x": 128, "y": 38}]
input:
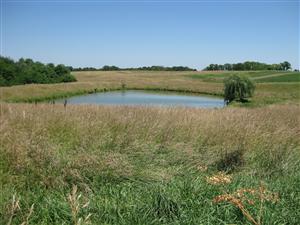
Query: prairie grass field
[{"x": 87, "y": 164}]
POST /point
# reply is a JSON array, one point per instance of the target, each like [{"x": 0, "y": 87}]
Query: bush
[
  {"x": 68, "y": 78},
  {"x": 238, "y": 88}
]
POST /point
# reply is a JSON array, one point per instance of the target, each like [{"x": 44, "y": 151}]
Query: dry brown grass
[{"x": 220, "y": 178}]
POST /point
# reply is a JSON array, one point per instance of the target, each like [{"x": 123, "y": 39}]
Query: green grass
[
  {"x": 290, "y": 77},
  {"x": 185, "y": 200},
  {"x": 259, "y": 76}
]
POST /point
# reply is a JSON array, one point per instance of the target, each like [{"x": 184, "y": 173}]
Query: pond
[{"x": 146, "y": 98}]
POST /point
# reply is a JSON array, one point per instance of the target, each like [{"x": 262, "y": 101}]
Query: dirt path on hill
[{"x": 271, "y": 75}]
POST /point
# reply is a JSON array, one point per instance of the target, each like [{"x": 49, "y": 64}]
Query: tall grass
[{"x": 143, "y": 165}]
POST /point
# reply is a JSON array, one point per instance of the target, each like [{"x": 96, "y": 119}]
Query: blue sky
[{"x": 136, "y": 33}]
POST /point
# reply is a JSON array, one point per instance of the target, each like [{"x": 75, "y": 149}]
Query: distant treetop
[
  {"x": 248, "y": 65},
  {"x": 150, "y": 68}
]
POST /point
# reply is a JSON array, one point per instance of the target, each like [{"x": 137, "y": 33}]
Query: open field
[
  {"x": 138, "y": 165},
  {"x": 149, "y": 112},
  {"x": 198, "y": 82}
]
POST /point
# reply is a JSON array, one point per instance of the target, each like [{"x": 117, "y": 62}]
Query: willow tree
[{"x": 238, "y": 88}]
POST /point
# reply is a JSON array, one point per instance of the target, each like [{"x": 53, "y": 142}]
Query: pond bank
[{"x": 56, "y": 96}]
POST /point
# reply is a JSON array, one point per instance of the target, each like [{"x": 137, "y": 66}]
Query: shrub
[{"x": 68, "y": 78}]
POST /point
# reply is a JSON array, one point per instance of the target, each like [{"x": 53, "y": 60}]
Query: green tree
[
  {"x": 286, "y": 65},
  {"x": 7, "y": 71},
  {"x": 227, "y": 66},
  {"x": 237, "y": 88},
  {"x": 110, "y": 68},
  {"x": 26, "y": 71},
  {"x": 61, "y": 69}
]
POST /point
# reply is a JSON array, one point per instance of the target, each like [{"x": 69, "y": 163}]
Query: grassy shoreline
[
  {"x": 85, "y": 92},
  {"x": 92, "y": 82}
]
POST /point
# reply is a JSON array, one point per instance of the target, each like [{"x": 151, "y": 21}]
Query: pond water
[{"x": 145, "y": 98}]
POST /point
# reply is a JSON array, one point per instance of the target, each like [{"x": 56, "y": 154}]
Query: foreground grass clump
[{"x": 142, "y": 165}]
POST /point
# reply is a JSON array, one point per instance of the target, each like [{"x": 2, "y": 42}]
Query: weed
[
  {"x": 218, "y": 179},
  {"x": 245, "y": 197},
  {"x": 74, "y": 200},
  {"x": 14, "y": 208}
]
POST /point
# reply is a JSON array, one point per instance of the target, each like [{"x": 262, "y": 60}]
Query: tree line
[
  {"x": 26, "y": 71},
  {"x": 249, "y": 65},
  {"x": 148, "y": 68}
]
